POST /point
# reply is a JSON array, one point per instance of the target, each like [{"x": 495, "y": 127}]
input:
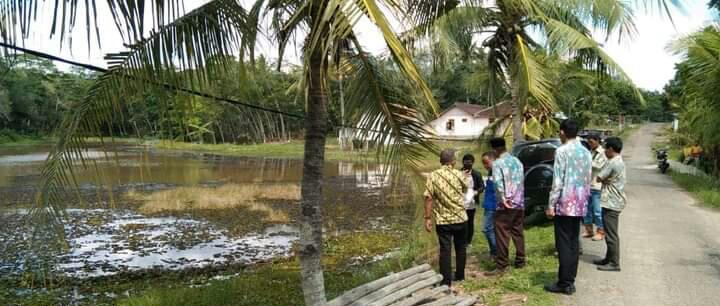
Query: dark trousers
[
  {"x": 449, "y": 235},
  {"x": 509, "y": 224},
  {"x": 470, "y": 225},
  {"x": 611, "y": 220},
  {"x": 567, "y": 230}
]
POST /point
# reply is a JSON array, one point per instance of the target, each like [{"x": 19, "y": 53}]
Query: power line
[{"x": 168, "y": 86}]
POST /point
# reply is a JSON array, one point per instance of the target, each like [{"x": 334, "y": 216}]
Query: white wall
[{"x": 470, "y": 129}]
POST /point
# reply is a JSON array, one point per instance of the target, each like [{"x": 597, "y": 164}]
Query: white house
[{"x": 466, "y": 121}]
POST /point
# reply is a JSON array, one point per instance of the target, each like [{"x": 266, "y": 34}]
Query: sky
[{"x": 644, "y": 58}]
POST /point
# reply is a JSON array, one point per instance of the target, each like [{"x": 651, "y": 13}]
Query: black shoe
[
  {"x": 601, "y": 262},
  {"x": 609, "y": 267},
  {"x": 458, "y": 279},
  {"x": 554, "y": 288},
  {"x": 520, "y": 265}
]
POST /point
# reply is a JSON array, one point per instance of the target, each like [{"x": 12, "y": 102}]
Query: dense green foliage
[
  {"x": 34, "y": 94},
  {"x": 693, "y": 93}
]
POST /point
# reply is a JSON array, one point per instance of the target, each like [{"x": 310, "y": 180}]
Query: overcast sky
[{"x": 645, "y": 58}]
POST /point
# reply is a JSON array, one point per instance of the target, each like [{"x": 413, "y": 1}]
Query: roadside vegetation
[{"x": 705, "y": 189}]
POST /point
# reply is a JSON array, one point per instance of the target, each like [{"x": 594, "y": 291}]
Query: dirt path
[{"x": 670, "y": 247}]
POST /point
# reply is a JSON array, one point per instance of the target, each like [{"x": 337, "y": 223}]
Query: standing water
[{"x": 176, "y": 211}]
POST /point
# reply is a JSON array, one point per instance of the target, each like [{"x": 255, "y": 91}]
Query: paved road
[{"x": 670, "y": 247}]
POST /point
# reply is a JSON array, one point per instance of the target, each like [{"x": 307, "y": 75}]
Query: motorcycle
[{"x": 662, "y": 159}]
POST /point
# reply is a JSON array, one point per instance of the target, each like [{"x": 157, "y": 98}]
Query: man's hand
[
  {"x": 507, "y": 204},
  {"x": 550, "y": 213},
  {"x": 428, "y": 225}
]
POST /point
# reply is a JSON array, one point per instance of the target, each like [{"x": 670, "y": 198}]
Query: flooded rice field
[{"x": 143, "y": 210}]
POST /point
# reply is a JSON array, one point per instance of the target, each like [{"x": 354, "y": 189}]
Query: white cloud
[{"x": 646, "y": 59}]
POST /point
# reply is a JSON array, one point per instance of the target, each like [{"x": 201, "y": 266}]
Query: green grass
[
  {"x": 527, "y": 282},
  {"x": 705, "y": 189},
  {"x": 10, "y": 138},
  {"x": 627, "y": 131}
]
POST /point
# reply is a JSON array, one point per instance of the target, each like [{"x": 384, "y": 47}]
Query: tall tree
[{"x": 518, "y": 33}]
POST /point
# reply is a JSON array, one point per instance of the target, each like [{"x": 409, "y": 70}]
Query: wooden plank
[
  {"x": 357, "y": 293},
  {"x": 424, "y": 296},
  {"x": 389, "y": 289},
  {"x": 407, "y": 291},
  {"x": 445, "y": 301},
  {"x": 467, "y": 301}
]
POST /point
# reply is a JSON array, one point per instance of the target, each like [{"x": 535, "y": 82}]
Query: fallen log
[
  {"x": 407, "y": 291},
  {"x": 420, "y": 297},
  {"x": 359, "y": 292},
  {"x": 467, "y": 301},
  {"x": 446, "y": 301},
  {"x": 389, "y": 289}
]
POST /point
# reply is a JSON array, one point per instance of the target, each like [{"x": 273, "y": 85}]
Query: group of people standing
[{"x": 588, "y": 188}]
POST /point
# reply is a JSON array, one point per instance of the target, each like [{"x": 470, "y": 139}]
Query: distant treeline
[{"x": 34, "y": 94}]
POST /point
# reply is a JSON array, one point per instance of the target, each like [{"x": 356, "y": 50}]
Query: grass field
[
  {"x": 523, "y": 284},
  {"x": 705, "y": 189}
]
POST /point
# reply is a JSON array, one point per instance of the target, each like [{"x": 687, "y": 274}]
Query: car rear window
[{"x": 534, "y": 154}]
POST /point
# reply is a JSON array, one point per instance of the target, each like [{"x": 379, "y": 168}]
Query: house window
[
  {"x": 464, "y": 120},
  {"x": 450, "y": 125}
]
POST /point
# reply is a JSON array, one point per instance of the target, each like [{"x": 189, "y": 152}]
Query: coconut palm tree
[
  {"x": 517, "y": 34},
  {"x": 700, "y": 75},
  {"x": 182, "y": 50}
]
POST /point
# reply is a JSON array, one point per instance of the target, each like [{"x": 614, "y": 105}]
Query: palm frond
[
  {"x": 387, "y": 112},
  {"x": 190, "y": 40},
  {"x": 532, "y": 75},
  {"x": 19, "y": 17},
  {"x": 569, "y": 38},
  {"x": 398, "y": 51}
]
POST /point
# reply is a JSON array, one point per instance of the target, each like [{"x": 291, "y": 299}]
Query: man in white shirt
[{"x": 475, "y": 187}]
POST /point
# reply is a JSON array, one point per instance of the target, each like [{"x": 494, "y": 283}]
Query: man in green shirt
[
  {"x": 612, "y": 200},
  {"x": 445, "y": 203}
]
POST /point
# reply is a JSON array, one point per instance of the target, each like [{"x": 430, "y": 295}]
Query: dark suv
[{"x": 537, "y": 158}]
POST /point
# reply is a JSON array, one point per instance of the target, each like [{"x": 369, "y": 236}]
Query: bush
[{"x": 7, "y": 136}]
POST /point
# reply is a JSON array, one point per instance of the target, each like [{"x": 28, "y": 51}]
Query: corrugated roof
[
  {"x": 471, "y": 109},
  {"x": 475, "y": 110},
  {"x": 503, "y": 109}
]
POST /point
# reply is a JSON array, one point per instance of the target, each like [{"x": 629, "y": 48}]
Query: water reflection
[{"x": 185, "y": 211}]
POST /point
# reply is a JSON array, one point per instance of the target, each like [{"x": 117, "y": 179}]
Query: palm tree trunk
[
  {"x": 517, "y": 113},
  {"x": 313, "y": 284}
]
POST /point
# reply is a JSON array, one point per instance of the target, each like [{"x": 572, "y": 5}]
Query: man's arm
[
  {"x": 499, "y": 182},
  {"x": 599, "y": 161},
  {"x": 605, "y": 173},
  {"x": 428, "y": 203},
  {"x": 478, "y": 183},
  {"x": 559, "y": 168}
]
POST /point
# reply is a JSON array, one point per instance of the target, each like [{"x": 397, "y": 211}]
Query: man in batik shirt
[
  {"x": 508, "y": 174},
  {"x": 572, "y": 174},
  {"x": 445, "y": 202}
]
